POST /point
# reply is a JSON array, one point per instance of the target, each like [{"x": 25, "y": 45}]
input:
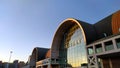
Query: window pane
[
  {"x": 90, "y": 50},
  {"x": 108, "y": 45},
  {"x": 98, "y": 48},
  {"x": 118, "y": 42}
]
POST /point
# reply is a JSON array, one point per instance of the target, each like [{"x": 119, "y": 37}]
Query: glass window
[
  {"x": 90, "y": 50},
  {"x": 98, "y": 48},
  {"x": 109, "y": 45},
  {"x": 118, "y": 42}
]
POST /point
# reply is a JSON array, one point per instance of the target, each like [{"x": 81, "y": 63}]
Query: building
[
  {"x": 38, "y": 54},
  {"x": 105, "y": 51},
  {"x": 0, "y": 64},
  {"x": 21, "y": 64},
  {"x": 77, "y": 44},
  {"x": 15, "y": 64}
]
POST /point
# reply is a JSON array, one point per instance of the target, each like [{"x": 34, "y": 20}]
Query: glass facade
[{"x": 72, "y": 52}]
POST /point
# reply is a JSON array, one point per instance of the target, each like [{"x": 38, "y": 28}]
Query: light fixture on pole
[
  {"x": 10, "y": 56},
  {"x": 9, "y": 59}
]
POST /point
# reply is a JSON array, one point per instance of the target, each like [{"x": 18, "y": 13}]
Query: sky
[{"x": 26, "y": 24}]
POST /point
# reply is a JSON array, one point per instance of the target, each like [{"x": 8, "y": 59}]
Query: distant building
[
  {"x": 0, "y": 64},
  {"x": 15, "y": 64},
  {"x": 27, "y": 65},
  {"x": 37, "y": 55},
  {"x": 21, "y": 64},
  {"x": 77, "y": 44},
  {"x": 5, "y": 65}
]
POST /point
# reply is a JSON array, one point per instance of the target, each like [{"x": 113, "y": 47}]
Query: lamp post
[
  {"x": 10, "y": 56},
  {"x": 9, "y": 59}
]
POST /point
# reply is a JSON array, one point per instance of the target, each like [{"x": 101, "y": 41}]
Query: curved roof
[
  {"x": 87, "y": 31},
  {"x": 39, "y": 53}
]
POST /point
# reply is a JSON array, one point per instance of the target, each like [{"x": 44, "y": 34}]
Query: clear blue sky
[{"x": 25, "y": 24}]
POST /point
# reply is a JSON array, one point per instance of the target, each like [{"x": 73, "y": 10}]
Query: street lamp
[
  {"x": 10, "y": 56},
  {"x": 9, "y": 59}
]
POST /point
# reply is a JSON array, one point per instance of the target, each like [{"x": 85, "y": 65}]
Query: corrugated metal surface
[{"x": 116, "y": 22}]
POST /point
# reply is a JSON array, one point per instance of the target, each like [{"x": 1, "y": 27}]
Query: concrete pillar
[
  {"x": 110, "y": 63},
  {"x": 94, "y": 49},
  {"x": 101, "y": 63},
  {"x": 103, "y": 47},
  {"x": 114, "y": 44},
  {"x": 49, "y": 66},
  {"x": 96, "y": 61}
]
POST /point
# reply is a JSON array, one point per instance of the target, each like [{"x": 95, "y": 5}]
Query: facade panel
[{"x": 116, "y": 22}]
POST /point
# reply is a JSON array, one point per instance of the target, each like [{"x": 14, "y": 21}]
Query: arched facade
[
  {"x": 78, "y": 44},
  {"x": 37, "y": 55},
  {"x": 69, "y": 43}
]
